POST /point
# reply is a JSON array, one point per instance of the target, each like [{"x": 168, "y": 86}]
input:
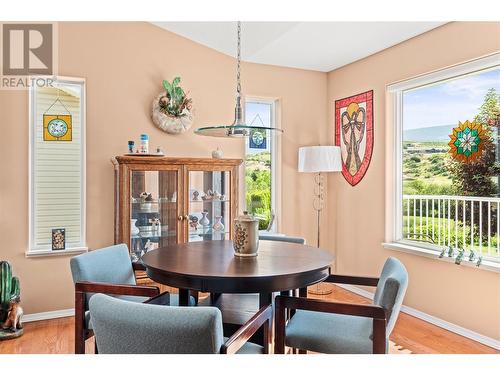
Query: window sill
[
  {"x": 429, "y": 253},
  {"x": 49, "y": 253}
]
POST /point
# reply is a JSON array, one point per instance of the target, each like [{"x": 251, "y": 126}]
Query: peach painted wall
[
  {"x": 124, "y": 64},
  {"x": 462, "y": 295}
]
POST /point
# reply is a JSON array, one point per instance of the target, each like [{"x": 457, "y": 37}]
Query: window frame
[
  {"x": 34, "y": 250},
  {"x": 275, "y": 158},
  {"x": 394, "y": 155}
]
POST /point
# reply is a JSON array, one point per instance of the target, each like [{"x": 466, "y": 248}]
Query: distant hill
[{"x": 430, "y": 134}]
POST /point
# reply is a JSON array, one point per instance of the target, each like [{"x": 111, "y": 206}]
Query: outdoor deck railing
[{"x": 471, "y": 223}]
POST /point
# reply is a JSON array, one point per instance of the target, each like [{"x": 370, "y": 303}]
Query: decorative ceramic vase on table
[
  {"x": 204, "y": 220},
  {"x": 218, "y": 226},
  {"x": 246, "y": 235}
]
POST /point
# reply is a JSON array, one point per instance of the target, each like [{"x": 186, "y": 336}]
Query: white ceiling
[{"x": 322, "y": 46}]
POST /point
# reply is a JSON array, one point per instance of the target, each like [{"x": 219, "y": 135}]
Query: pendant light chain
[
  {"x": 238, "y": 86},
  {"x": 238, "y": 128}
]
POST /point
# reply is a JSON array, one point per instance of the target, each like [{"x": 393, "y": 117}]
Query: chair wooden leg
[
  {"x": 96, "y": 351},
  {"x": 379, "y": 339},
  {"x": 267, "y": 336},
  {"x": 214, "y": 297},
  {"x": 79, "y": 323},
  {"x": 287, "y": 293},
  {"x": 266, "y": 299},
  {"x": 184, "y": 297},
  {"x": 279, "y": 324}
]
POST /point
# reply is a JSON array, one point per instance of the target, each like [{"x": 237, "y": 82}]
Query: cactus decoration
[
  {"x": 9, "y": 286},
  {"x": 443, "y": 251},
  {"x": 460, "y": 256},
  {"x": 10, "y": 311},
  {"x": 449, "y": 251}
]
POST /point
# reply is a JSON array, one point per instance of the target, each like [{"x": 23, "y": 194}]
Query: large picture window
[
  {"x": 260, "y": 163},
  {"x": 447, "y": 174},
  {"x": 57, "y": 167}
]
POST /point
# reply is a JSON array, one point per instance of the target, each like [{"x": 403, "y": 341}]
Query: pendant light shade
[{"x": 238, "y": 128}]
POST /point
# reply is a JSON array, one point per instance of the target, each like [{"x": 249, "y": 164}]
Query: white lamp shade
[{"x": 314, "y": 159}]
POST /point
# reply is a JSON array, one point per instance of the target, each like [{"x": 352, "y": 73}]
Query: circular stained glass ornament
[
  {"x": 257, "y": 138},
  {"x": 57, "y": 128}
]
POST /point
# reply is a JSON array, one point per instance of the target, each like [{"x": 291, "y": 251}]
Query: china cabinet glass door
[
  {"x": 153, "y": 210},
  {"x": 209, "y": 205}
]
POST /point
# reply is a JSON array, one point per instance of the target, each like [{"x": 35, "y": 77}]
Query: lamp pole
[
  {"x": 319, "y": 159},
  {"x": 318, "y": 205}
]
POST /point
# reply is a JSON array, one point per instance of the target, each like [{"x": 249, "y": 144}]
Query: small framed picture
[{"x": 58, "y": 239}]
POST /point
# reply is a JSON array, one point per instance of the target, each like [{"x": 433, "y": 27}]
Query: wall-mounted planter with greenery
[{"x": 172, "y": 109}]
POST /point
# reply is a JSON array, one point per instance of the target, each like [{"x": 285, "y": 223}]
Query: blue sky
[{"x": 449, "y": 102}]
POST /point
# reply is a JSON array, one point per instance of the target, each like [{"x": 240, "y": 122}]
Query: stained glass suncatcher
[
  {"x": 258, "y": 139},
  {"x": 466, "y": 141},
  {"x": 57, "y": 128}
]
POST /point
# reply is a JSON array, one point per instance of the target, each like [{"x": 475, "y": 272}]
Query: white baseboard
[
  {"x": 433, "y": 320},
  {"x": 48, "y": 315}
]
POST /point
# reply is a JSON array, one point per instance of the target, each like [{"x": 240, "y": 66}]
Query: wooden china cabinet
[{"x": 165, "y": 200}]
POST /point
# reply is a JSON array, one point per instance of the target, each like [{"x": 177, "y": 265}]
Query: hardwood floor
[{"x": 56, "y": 336}]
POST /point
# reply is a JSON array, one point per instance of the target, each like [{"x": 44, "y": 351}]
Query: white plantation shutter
[{"x": 57, "y": 169}]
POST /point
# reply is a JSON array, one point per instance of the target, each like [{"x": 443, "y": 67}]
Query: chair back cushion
[
  {"x": 274, "y": 237},
  {"x": 391, "y": 290},
  {"x": 123, "y": 327},
  {"x": 108, "y": 265}
]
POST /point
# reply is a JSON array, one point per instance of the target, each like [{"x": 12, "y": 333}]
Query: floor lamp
[{"x": 319, "y": 159}]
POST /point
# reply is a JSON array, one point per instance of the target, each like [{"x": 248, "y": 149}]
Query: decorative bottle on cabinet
[
  {"x": 218, "y": 226},
  {"x": 134, "y": 231},
  {"x": 204, "y": 220}
]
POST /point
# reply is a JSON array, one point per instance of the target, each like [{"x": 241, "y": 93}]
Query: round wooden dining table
[{"x": 211, "y": 266}]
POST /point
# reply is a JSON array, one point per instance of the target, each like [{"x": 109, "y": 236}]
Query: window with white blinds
[{"x": 57, "y": 167}]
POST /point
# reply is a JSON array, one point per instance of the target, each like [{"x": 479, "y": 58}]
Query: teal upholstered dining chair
[
  {"x": 344, "y": 328},
  {"x": 124, "y": 327},
  {"x": 108, "y": 270}
]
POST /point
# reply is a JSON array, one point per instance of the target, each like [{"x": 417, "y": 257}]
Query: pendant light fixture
[{"x": 238, "y": 128}]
